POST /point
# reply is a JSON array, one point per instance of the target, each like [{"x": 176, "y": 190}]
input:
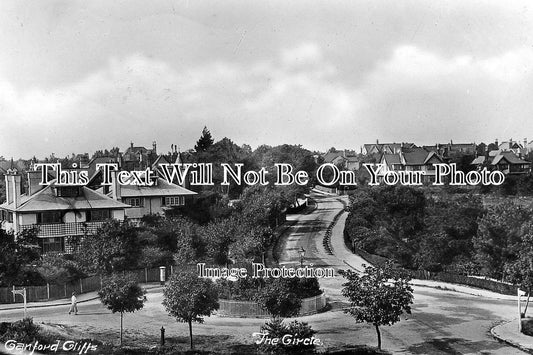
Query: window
[
  {"x": 49, "y": 217},
  {"x": 98, "y": 215},
  {"x": 134, "y": 201},
  {"x": 68, "y": 191},
  {"x": 6, "y": 216},
  {"x": 174, "y": 201},
  {"x": 55, "y": 244}
]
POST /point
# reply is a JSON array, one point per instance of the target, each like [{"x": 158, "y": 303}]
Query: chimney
[
  {"x": 377, "y": 141},
  {"x": 525, "y": 142},
  {"x": 496, "y": 142},
  {"x": 34, "y": 178},
  {"x": 116, "y": 193},
  {"x": 13, "y": 188},
  {"x": 131, "y": 145},
  {"x": 154, "y": 146}
]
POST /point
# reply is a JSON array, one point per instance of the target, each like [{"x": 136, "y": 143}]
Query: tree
[
  {"x": 189, "y": 298},
  {"x": 379, "y": 296},
  {"x": 205, "y": 141},
  {"x": 498, "y": 238},
  {"x": 520, "y": 272},
  {"x": 279, "y": 298},
  {"x": 112, "y": 248},
  {"x": 122, "y": 293},
  {"x": 15, "y": 253}
]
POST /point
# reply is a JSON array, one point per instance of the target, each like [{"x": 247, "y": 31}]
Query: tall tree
[
  {"x": 189, "y": 298},
  {"x": 205, "y": 141},
  {"x": 379, "y": 296},
  {"x": 113, "y": 247},
  {"x": 121, "y": 293}
]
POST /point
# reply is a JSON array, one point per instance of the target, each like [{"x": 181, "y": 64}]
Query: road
[{"x": 442, "y": 322}]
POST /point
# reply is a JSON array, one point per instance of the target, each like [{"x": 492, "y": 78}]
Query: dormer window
[{"x": 68, "y": 191}]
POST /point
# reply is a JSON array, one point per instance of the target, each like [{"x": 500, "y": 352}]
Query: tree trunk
[
  {"x": 190, "y": 333},
  {"x": 379, "y": 336},
  {"x": 121, "y": 315}
]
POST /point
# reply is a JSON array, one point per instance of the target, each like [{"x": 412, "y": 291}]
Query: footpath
[{"x": 84, "y": 297}]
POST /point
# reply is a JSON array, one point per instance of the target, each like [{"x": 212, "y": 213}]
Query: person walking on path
[{"x": 73, "y": 304}]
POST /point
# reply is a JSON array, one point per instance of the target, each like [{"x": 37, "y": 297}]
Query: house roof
[
  {"x": 510, "y": 157},
  {"x": 329, "y": 156},
  {"x": 100, "y": 160},
  {"x": 163, "y": 188},
  {"x": 392, "y": 158},
  {"x": 161, "y": 159},
  {"x": 479, "y": 160},
  {"x": 46, "y": 200},
  {"x": 415, "y": 156}
]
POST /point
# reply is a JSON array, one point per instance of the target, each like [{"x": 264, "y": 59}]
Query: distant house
[
  {"x": 345, "y": 158},
  {"x": 414, "y": 159},
  {"x": 61, "y": 214},
  {"x": 156, "y": 199},
  {"x": 505, "y": 161},
  {"x": 139, "y": 158},
  {"x": 386, "y": 148},
  {"x": 513, "y": 146},
  {"x": 145, "y": 200},
  {"x": 450, "y": 150}
]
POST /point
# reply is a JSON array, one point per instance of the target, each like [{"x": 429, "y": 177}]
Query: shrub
[
  {"x": 527, "y": 326},
  {"x": 24, "y": 331},
  {"x": 277, "y": 329}
]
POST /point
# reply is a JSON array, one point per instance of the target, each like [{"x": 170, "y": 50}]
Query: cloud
[
  {"x": 298, "y": 96},
  {"x": 421, "y": 96},
  {"x": 143, "y": 99}
]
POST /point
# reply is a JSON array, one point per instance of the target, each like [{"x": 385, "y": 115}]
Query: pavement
[
  {"x": 508, "y": 333},
  {"x": 84, "y": 297}
]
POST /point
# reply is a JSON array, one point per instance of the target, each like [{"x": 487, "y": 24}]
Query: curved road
[{"x": 442, "y": 322}]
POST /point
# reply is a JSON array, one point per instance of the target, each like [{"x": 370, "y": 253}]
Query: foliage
[
  {"x": 152, "y": 256},
  {"x": 15, "y": 254},
  {"x": 249, "y": 289},
  {"x": 424, "y": 231},
  {"x": 277, "y": 329},
  {"x": 279, "y": 298},
  {"x": 498, "y": 239},
  {"x": 24, "y": 331},
  {"x": 114, "y": 247},
  {"x": 59, "y": 269},
  {"x": 122, "y": 293},
  {"x": 379, "y": 296},
  {"x": 450, "y": 224},
  {"x": 217, "y": 237},
  {"x": 204, "y": 142},
  {"x": 189, "y": 298}
]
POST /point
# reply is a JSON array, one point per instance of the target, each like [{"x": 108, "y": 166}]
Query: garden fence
[{"x": 53, "y": 291}]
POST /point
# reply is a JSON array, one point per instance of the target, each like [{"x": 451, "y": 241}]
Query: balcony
[{"x": 64, "y": 229}]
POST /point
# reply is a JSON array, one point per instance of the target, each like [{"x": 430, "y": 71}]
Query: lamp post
[{"x": 302, "y": 254}]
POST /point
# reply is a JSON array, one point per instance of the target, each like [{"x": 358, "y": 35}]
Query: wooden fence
[{"x": 52, "y": 292}]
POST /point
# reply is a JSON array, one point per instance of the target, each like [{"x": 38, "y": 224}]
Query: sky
[{"x": 78, "y": 76}]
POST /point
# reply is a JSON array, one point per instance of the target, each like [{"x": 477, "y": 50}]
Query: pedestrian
[{"x": 73, "y": 304}]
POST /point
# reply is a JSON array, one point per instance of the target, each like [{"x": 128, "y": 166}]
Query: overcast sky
[{"x": 77, "y": 76}]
